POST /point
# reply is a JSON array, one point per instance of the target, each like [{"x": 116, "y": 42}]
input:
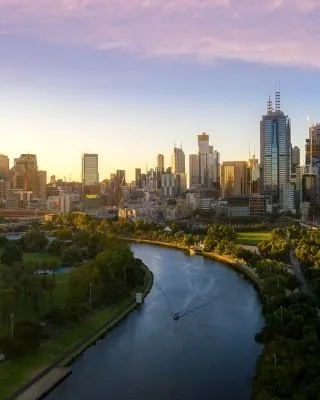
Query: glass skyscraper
[
  {"x": 275, "y": 152},
  {"x": 90, "y": 174}
]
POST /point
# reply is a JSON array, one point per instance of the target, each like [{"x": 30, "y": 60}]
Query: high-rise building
[
  {"x": 209, "y": 163},
  {"x": 4, "y": 166},
  {"x": 275, "y": 152},
  {"x": 313, "y": 147},
  {"x": 42, "y": 181},
  {"x": 235, "y": 178},
  {"x": 121, "y": 177},
  {"x": 295, "y": 158},
  {"x": 194, "y": 175},
  {"x": 178, "y": 161},
  {"x": 138, "y": 181},
  {"x": 254, "y": 174},
  {"x": 160, "y": 163},
  {"x": 90, "y": 169},
  {"x": 179, "y": 169},
  {"x": 24, "y": 175}
]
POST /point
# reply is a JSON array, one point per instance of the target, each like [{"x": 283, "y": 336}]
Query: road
[{"x": 298, "y": 271}]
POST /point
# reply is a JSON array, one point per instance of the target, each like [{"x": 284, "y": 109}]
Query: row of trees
[
  {"x": 28, "y": 296},
  {"x": 277, "y": 247}
]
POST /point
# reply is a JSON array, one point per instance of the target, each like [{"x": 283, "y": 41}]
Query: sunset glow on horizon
[{"x": 125, "y": 79}]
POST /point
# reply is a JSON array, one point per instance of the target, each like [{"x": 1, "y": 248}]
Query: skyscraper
[
  {"x": 24, "y": 175},
  {"x": 138, "y": 181},
  {"x": 160, "y": 163},
  {"x": 235, "y": 177},
  {"x": 179, "y": 169},
  {"x": 121, "y": 177},
  {"x": 209, "y": 163},
  {"x": 275, "y": 152},
  {"x": 313, "y": 147},
  {"x": 4, "y": 166},
  {"x": 295, "y": 158},
  {"x": 90, "y": 169},
  {"x": 178, "y": 161},
  {"x": 254, "y": 174},
  {"x": 194, "y": 175}
]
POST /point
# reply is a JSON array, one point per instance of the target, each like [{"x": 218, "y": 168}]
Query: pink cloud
[{"x": 276, "y": 31}]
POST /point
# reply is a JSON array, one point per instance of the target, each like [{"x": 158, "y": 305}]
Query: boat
[{"x": 176, "y": 316}]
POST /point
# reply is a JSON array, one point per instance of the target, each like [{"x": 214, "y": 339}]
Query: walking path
[
  {"x": 298, "y": 271},
  {"x": 45, "y": 384}
]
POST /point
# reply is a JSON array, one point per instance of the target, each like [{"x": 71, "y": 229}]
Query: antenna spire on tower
[
  {"x": 277, "y": 100},
  {"x": 269, "y": 105}
]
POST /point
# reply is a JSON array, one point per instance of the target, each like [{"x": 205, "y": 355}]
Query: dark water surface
[{"x": 209, "y": 353}]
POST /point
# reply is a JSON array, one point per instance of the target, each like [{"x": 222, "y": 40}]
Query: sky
[{"x": 128, "y": 78}]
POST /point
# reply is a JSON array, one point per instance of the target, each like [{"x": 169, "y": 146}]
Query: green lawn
[
  {"x": 14, "y": 374},
  {"x": 40, "y": 257},
  {"x": 36, "y": 256},
  {"x": 25, "y": 310},
  {"x": 252, "y": 238}
]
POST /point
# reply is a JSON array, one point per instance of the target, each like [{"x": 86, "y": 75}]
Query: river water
[{"x": 209, "y": 353}]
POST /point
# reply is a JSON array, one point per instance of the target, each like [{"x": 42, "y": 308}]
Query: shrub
[
  {"x": 29, "y": 333},
  {"x": 56, "y": 316},
  {"x": 12, "y": 347}
]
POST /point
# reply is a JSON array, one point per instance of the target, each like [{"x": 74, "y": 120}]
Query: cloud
[{"x": 275, "y": 32}]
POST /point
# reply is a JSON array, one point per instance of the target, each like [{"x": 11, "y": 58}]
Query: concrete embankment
[
  {"x": 49, "y": 378},
  {"x": 45, "y": 384}
]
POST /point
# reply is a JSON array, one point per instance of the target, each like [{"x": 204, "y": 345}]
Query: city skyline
[{"x": 108, "y": 88}]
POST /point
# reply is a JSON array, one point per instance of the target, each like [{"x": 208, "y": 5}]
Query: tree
[
  {"x": 11, "y": 253},
  {"x": 71, "y": 255},
  {"x": 55, "y": 247},
  {"x": 81, "y": 238},
  {"x": 34, "y": 241},
  {"x": 49, "y": 284}
]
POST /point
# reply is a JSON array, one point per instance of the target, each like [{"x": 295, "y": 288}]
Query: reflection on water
[{"x": 210, "y": 353}]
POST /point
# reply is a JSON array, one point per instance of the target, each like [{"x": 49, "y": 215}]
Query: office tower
[
  {"x": 275, "y": 152},
  {"x": 24, "y": 174},
  {"x": 42, "y": 181},
  {"x": 53, "y": 181},
  {"x": 138, "y": 181},
  {"x": 209, "y": 163},
  {"x": 90, "y": 169},
  {"x": 194, "y": 170},
  {"x": 295, "y": 158},
  {"x": 178, "y": 161},
  {"x": 170, "y": 185},
  {"x": 235, "y": 178},
  {"x": 313, "y": 147},
  {"x": 121, "y": 176},
  {"x": 4, "y": 166},
  {"x": 254, "y": 174},
  {"x": 179, "y": 169},
  {"x": 160, "y": 163}
]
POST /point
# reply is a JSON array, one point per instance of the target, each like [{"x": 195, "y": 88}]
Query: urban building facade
[
  {"x": 4, "y": 166},
  {"x": 295, "y": 158},
  {"x": 90, "y": 169},
  {"x": 275, "y": 152},
  {"x": 235, "y": 178},
  {"x": 160, "y": 163}
]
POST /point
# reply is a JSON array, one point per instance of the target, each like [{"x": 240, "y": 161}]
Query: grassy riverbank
[{"x": 65, "y": 346}]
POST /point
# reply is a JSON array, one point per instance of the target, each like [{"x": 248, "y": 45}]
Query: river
[{"x": 209, "y": 353}]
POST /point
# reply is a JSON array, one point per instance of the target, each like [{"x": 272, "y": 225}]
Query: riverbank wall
[
  {"x": 52, "y": 376},
  {"x": 238, "y": 265}
]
